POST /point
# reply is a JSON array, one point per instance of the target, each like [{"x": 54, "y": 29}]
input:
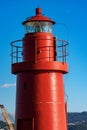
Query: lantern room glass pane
[{"x": 38, "y": 26}]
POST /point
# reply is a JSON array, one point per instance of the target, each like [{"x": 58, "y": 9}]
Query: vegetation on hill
[
  {"x": 3, "y": 125},
  {"x": 77, "y": 117},
  {"x": 80, "y": 126}
]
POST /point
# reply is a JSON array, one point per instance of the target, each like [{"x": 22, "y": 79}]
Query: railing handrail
[
  {"x": 16, "y": 53},
  {"x": 13, "y": 42}
]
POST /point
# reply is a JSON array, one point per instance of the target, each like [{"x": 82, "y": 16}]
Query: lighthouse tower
[{"x": 39, "y": 61}]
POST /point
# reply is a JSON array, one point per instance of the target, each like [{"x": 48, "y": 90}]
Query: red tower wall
[
  {"x": 40, "y": 101},
  {"x": 38, "y": 47}
]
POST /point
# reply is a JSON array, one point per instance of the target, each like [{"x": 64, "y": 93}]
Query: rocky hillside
[
  {"x": 77, "y": 117},
  {"x": 77, "y": 121}
]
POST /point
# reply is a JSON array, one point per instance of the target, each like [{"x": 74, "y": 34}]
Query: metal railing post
[
  {"x": 62, "y": 52},
  {"x": 17, "y": 54}
]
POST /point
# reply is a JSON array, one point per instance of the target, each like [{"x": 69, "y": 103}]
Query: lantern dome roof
[{"x": 38, "y": 17}]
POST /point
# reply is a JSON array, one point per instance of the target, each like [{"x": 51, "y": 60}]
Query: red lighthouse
[{"x": 39, "y": 61}]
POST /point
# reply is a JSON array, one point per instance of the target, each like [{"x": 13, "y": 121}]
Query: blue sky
[{"x": 71, "y": 24}]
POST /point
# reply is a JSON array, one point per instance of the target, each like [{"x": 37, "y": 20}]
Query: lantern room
[
  {"x": 38, "y": 23},
  {"x": 39, "y": 43}
]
